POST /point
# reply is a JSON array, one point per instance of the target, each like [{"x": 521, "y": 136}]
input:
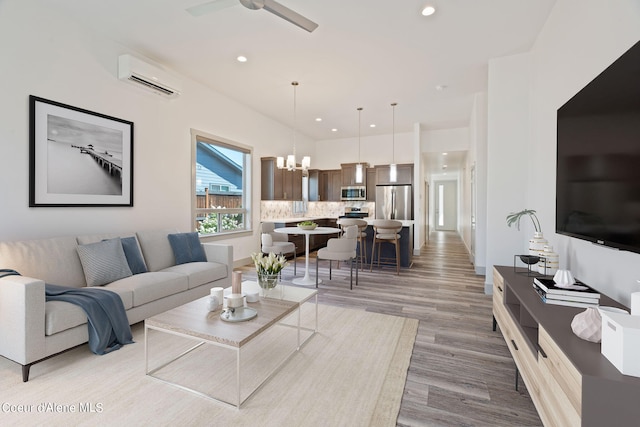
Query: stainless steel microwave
[{"x": 357, "y": 192}]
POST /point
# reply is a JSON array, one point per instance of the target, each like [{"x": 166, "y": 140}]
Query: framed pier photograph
[{"x": 78, "y": 157}]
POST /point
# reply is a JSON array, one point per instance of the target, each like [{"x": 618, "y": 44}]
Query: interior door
[{"x": 446, "y": 206}]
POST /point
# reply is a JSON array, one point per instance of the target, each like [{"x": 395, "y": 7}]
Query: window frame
[{"x": 246, "y": 210}]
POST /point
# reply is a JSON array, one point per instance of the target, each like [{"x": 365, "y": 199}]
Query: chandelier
[
  {"x": 393, "y": 168},
  {"x": 291, "y": 158}
]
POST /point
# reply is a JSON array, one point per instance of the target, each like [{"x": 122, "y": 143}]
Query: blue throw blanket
[{"x": 106, "y": 317}]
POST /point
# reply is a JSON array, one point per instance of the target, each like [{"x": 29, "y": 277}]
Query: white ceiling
[{"x": 365, "y": 53}]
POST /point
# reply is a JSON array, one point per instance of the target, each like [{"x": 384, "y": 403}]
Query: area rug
[{"x": 351, "y": 373}]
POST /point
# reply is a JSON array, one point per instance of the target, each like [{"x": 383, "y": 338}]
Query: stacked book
[{"x": 576, "y": 295}]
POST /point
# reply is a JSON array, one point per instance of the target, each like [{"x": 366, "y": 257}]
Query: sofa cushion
[
  {"x": 53, "y": 260},
  {"x": 133, "y": 255},
  {"x": 187, "y": 247},
  {"x": 60, "y": 315},
  {"x": 156, "y": 249},
  {"x": 103, "y": 262},
  {"x": 151, "y": 286},
  {"x": 199, "y": 273}
]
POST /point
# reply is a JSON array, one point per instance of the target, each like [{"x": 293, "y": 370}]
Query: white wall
[
  {"x": 478, "y": 157},
  {"x": 45, "y": 54},
  {"x": 375, "y": 150},
  {"x": 578, "y": 41},
  {"x": 507, "y": 160}
]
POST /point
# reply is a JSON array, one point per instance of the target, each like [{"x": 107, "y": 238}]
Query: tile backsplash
[{"x": 285, "y": 209}]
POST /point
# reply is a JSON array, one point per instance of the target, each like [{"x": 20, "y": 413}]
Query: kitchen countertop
[
  {"x": 297, "y": 219},
  {"x": 405, "y": 223}
]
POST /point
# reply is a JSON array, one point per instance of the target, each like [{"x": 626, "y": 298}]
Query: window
[{"x": 221, "y": 185}]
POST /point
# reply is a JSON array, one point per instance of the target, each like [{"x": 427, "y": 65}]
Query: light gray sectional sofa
[{"x": 32, "y": 330}]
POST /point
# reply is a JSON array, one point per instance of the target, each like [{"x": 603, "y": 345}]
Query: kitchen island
[{"x": 388, "y": 250}]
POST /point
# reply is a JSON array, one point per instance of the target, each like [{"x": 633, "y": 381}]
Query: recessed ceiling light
[
  {"x": 318, "y": 119},
  {"x": 242, "y": 58},
  {"x": 372, "y": 125},
  {"x": 428, "y": 10},
  {"x": 444, "y": 154},
  {"x": 334, "y": 130}
]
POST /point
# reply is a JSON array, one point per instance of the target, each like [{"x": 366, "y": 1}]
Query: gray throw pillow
[
  {"x": 103, "y": 262},
  {"x": 187, "y": 248}
]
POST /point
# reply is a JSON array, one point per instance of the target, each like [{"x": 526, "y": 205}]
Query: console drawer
[{"x": 563, "y": 380}]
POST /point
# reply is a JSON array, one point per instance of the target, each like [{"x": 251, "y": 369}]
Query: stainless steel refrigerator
[{"x": 394, "y": 202}]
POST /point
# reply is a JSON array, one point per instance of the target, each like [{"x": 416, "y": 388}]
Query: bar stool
[
  {"x": 386, "y": 231},
  {"x": 361, "y": 236}
]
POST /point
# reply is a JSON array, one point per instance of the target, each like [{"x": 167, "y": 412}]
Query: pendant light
[
  {"x": 291, "y": 158},
  {"x": 359, "y": 165},
  {"x": 393, "y": 168}
]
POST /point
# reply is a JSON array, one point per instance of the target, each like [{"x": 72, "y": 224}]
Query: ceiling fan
[{"x": 268, "y": 5}]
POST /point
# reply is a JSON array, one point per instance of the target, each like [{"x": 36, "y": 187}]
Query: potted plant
[
  {"x": 537, "y": 243},
  {"x": 268, "y": 268}
]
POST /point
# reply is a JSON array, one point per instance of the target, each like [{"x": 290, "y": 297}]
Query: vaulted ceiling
[{"x": 364, "y": 53}]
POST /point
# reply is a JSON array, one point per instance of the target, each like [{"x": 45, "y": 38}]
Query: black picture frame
[{"x": 78, "y": 157}]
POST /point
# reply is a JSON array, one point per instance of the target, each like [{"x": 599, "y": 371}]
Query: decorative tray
[{"x": 240, "y": 314}]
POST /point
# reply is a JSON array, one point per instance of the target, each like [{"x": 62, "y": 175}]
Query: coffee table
[{"x": 195, "y": 323}]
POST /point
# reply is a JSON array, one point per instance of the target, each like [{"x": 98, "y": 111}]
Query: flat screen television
[{"x": 598, "y": 158}]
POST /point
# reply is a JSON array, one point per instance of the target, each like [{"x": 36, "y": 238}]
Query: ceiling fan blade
[
  {"x": 211, "y": 6},
  {"x": 289, "y": 15}
]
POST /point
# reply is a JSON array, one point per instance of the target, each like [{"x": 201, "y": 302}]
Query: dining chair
[
  {"x": 341, "y": 249},
  {"x": 276, "y": 242},
  {"x": 361, "y": 236},
  {"x": 386, "y": 231}
]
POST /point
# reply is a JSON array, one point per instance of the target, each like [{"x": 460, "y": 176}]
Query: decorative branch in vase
[
  {"x": 537, "y": 243},
  {"x": 515, "y": 217}
]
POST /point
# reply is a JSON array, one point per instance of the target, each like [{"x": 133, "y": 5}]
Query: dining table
[{"x": 307, "y": 279}]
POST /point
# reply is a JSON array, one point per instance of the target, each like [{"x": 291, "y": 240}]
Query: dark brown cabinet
[
  {"x": 314, "y": 185},
  {"x": 404, "y": 174},
  {"x": 330, "y": 182},
  {"x": 349, "y": 174},
  {"x": 279, "y": 184},
  {"x": 371, "y": 184}
]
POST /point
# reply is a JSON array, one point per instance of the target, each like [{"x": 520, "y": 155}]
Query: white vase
[
  {"x": 550, "y": 261},
  {"x": 537, "y": 244}
]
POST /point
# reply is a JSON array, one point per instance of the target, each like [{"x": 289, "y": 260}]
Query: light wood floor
[{"x": 461, "y": 372}]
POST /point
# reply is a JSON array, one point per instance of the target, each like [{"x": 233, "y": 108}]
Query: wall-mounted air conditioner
[{"x": 140, "y": 73}]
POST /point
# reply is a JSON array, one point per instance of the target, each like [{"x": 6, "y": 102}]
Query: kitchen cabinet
[
  {"x": 330, "y": 185},
  {"x": 279, "y": 184},
  {"x": 371, "y": 184},
  {"x": 314, "y": 185},
  {"x": 405, "y": 174},
  {"x": 349, "y": 174}
]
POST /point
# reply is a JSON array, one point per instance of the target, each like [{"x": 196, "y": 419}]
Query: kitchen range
[{"x": 355, "y": 212}]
